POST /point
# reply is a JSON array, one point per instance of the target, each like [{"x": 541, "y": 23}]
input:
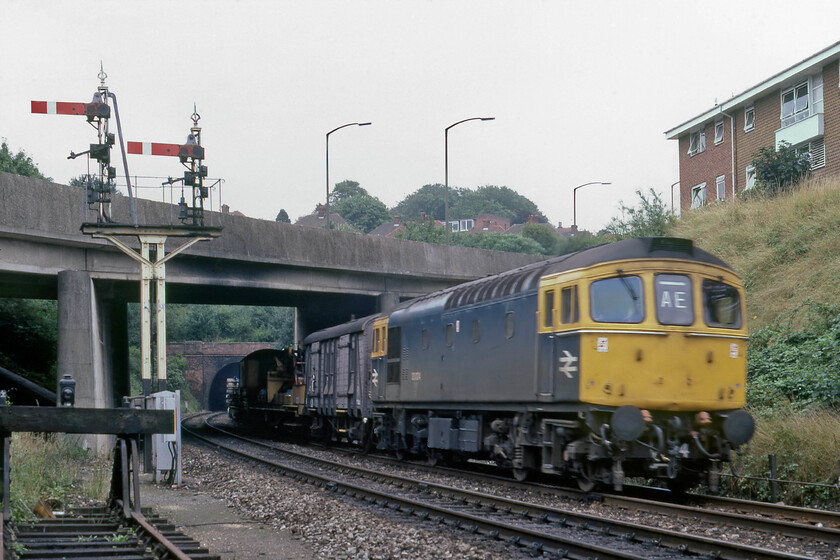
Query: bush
[
  {"x": 779, "y": 169},
  {"x": 796, "y": 365}
]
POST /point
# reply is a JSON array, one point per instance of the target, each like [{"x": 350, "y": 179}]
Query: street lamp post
[
  {"x": 574, "y": 202},
  {"x": 672, "y": 196},
  {"x": 327, "y": 207},
  {"x": 446, "y": 169}
]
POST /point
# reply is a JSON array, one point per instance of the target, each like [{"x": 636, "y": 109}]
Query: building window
[
  {"x": 697, "y": 142},
  {"x": 750, "y": 176},
  {"x": 814, "y": 152},
  {"x": 698, "y": 195},
  {"x": 719, "y": 131},
  {"x": 817, "y": 94},
  {"x": 749, "y": 118},
  {"x": 721, "y": 187},
  {"x": 795, "y": 104}
]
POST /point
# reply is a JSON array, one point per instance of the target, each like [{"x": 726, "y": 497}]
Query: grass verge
[
  {"x": 54, "y": 467},
  {"x": 807, "y": 449}
]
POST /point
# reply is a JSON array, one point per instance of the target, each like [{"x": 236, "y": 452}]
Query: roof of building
[
  {"x": 386, "y": 229},
  {"x": 319, "y": 219},
  {"x": 802, "y": 68}
]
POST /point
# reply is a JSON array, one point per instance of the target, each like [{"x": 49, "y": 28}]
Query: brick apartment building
[{"x": 799, "y": 105}]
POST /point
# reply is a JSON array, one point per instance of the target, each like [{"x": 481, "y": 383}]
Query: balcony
[{"x": 803, "y": 131}]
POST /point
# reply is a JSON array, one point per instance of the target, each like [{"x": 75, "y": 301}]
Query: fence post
[{"x": 774, "y": 485}]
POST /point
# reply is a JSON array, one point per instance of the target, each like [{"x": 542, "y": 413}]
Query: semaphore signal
[
  {"x": 191, "y": 155},
  {"x": 98, "y": 113}
]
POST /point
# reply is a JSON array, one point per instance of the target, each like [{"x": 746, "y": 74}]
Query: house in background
[
  {"x": 800, "y": 105},
  {"x": 393, "y": 227},
  {"x": 319, "y": 219},
  {"x": 489, "y": 223}
]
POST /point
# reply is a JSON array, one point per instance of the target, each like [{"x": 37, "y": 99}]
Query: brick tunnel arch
[{"x": 215, "y": 395}]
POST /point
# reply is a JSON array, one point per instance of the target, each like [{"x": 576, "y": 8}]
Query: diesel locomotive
[{"x": 621, "y": 360}]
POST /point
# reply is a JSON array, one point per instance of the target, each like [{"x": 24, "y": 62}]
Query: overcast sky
[{"x": 581, "y": 91}]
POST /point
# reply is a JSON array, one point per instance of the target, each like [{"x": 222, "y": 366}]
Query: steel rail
[
  {"x": 673, "y": 540},
  {"x": 503, "y": 531},
  {"x": 791, "y": 521}
]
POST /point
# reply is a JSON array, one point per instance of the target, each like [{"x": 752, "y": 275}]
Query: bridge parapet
[{"x": 40, "y": 209}]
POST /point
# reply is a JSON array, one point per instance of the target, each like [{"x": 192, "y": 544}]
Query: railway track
[
  {"x": 101, "y": 532},
  {"x": 538, "y": 528},
  {"x": 795, "y": 522}
]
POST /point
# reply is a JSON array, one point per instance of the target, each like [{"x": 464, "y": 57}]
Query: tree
[
  {"x": 464, "y": 203},
  {"x": 650, "y": 218},
  {"x": 353, "y": 203},
  {"x": 283, "y": 217},
  {"x": 344, "y": 190},
  {"x": 498, "y": 242},
  {"x": 491, "y": 199},
  {"x": 426, "y": 231},
  {"x": 28, "y": 338},
  {"x": 778, "y": 170},
  {"x": 540, "y": 233},
  {"x": 577, "y": 242},
  {"x": 428, "y": 199},
  {"x": 19, "y": 164}
]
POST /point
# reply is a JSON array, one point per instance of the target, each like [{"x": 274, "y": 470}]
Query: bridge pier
[
  {"x": 387, "y": 301},
  {"x": 92, "y": 340}
]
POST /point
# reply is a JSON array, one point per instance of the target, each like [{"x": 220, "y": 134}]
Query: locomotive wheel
[
  {"x": 585, "y": 478},
  {"x": 400, "y": 454},
  {"x": 433, "y": 457},
  {"x": 585, "y": 484},
  {"x": 521, "y": 475}
]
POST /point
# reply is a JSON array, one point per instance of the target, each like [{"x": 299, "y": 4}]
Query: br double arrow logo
[{"x": 567, "y": 361}]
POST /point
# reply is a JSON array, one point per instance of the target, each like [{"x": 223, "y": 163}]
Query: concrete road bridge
[{"x": 327, "y": 276}]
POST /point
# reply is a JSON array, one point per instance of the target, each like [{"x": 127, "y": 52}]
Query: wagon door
[{"x": 343, "y": 371}]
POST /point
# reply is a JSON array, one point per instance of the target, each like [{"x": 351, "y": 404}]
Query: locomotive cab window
[
  {"x": 450, "y": 334},
  {"x": 569, "y": 312},
  {"x": 617, "y": 300},
  {"x": 424, "y": 339},
  {"x": 674, "y": 302},
  {"x": 476, "y": 330},
  {"x": 548, "y": 309},
  {"x": 721, "y": 305}
]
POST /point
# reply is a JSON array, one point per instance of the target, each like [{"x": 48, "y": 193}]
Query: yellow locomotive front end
[
  {"x": 686, "y": 352},
  {"x": 653, "y": 353}
]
